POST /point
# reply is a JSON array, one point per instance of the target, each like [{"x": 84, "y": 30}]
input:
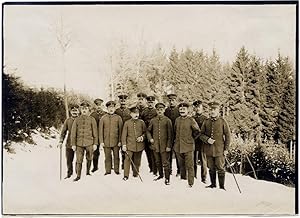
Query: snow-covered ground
[{"x": 31, "y": 185}]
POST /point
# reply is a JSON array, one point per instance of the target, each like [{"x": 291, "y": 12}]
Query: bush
[{"x": 271, "y": 161}]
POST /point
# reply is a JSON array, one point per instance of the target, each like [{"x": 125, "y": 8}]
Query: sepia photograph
[{"x": 149, "y": 108}]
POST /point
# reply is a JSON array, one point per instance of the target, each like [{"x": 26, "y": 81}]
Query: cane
[
  {"x": 227, "y": 162},
  {"x": 134, "y": 166}
]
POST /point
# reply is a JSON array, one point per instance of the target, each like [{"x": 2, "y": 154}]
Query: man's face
[
  {"x": 84, "y": 110},
  {"x": 183, "y": 111},
  {"x": 151, "y": 104},
  {"x": 74, "y": 112},
  {"x": 173, "y": 102},
  {"x": 199, "y": 109},
  {"x": 99, "y": 106},
  {"x": 141, "y": 101},
  {"x": 122, "y": 101},
  {"x": 160, "y": 111},
  {"x": 134, "y": 115},
  {"x": 214, "y": 112},
  {"x": 111, "y": 109}
]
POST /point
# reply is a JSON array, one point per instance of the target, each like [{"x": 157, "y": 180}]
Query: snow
[{"x": 31, "y": 185}]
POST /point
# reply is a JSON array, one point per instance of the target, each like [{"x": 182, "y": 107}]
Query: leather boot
[
  {"x": 78, "y": 171},
  {"x": 221, "y": 177},
  {"x": 88, "y": 167},
  {"x": 213, "y": 176}
]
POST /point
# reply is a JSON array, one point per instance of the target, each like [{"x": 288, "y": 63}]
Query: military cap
[
  {"x": 109, "y": 103},
  {"x": 133, "y": 108},
  {"x": 197, "y": 103},
  {"x": 183, "y": 104},
  {"x": 85, "y": 104},
  {"x": 172, "y": 96},
  {"x": 141, "y": 94},
  {"x": 213, "y": 104},
  {"x": 150, "y": 98},
  {"x": 98, "y": 101},
  {"x": 160, "y": 105},
  {"x": 123, "y": 96}
]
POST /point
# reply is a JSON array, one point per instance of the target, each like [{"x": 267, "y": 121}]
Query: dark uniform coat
[
  {"x": 110, "y": 130},
  {"x": 218, "y": 130},
  {"x": 84, "y": 131},
  {"x": 141, "y": 109},
  {"x": 172, "y": 113},
  {"x": 124, "y": 113},
  {"x": 97, "y": 115},
  {"x": 199, "y": 118},
  {"x": 67, "y": 127},
  {"x": 160, "y": 129},
  {"x": 148, "y": 114},
  {"x": 186, "y": 128},
  {"x": 131, "y": 131}
]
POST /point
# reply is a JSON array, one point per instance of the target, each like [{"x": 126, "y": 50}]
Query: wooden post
[{"x": 291, "y": 149}]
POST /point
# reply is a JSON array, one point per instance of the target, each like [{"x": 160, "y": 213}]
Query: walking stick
[
  {"x": 134, "y": 166},
  {"x": 227, "y": 162},
  {"x": 60, "y": 154}
]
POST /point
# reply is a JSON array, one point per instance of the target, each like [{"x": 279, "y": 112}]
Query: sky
[{"x": 30, "y": 44}]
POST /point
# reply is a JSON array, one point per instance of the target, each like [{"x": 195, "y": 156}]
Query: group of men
[{"x": 163, "y": 132}]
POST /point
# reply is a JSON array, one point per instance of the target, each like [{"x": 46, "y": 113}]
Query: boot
[
  {"x": 88, "y": 167},
  {"x": 95, "y": 165},
  {"x": 78, "y": 171},
  {"x": 212, "y": 179},
  {"x": 195, "y": 171},
  {"x": 221, "y": 177},
  {"x": 158, "y": 178}
]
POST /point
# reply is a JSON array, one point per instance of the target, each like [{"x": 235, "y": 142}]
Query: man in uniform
[
  {"x": 84, "y": 138},
  {"x": 199, "y": 145},
  {"x": 186, "y": 129},
  {"x": 172, "y": 113},
  {"x": 141, "y": 104},
  {"x": 146, "y": 116},
  {"x": 133, "y": 136},
  {"x": 160, "y": 133},
  {"x": 67, "y": 127},
  {"x": 124, "y": 113},
  {"x": 110, "y": 130},
  {"x": 215, "y": 133},
  {"x": 97, "y": 115}
]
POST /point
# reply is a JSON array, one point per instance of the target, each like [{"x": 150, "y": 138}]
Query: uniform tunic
[
  {"x": 97, "y": 115},
  {"x": 110, "y": 130},
  {"x": 160, "y": 129},
  {"x": 172, "y": 113},
  {"x": 133, "y": 129},
  {"x": 185, "y": 130},
  {"x": 124, "y": 113},
  {"x": 218, "y": 130},
  {"x": 67, "y": 127},
  {"x": 148, "y": 114},
  {"x": 199, "y": 118},
  {"x": 84, "y": 131}
]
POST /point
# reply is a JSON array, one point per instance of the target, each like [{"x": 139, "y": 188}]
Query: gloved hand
[
  {"x": 140, "y": 139},
  {"x": 168, "y": 149},
  {"x": 73, "y": 147},
  {"x": 211, "y": 141},
  {"x": 94, "y": 147},
  {"x": 119, "y": 144},
  {"x": 124, "y": 148},
  {"x": 151, "y": 141}
]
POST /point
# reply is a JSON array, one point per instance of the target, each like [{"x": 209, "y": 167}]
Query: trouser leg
[
  {"x": 203, "y": 165},
  {"x": 108, "y": 159},
  {"x": 79, "y": 160},
  {"x": 116, "y": 158},
  {"x": 70, "y": 158},
  {"x": 195, "y": 153},
  {"x": 127, "y": 163},
  {"x": 181, "y": 160},
  {"x": 137, "y": 156},
  {"x": 220, "y": 166},
  {"x": 148, "y": 155},
  {"x": 96, "y": 155},
  {"x": 189, "y": 164},
  {"x": 89, "y": 158},
  {"x": 165, "y": 163},
  {"x": 158, "y": 161},
  {"x": 212, "y": 170}
]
